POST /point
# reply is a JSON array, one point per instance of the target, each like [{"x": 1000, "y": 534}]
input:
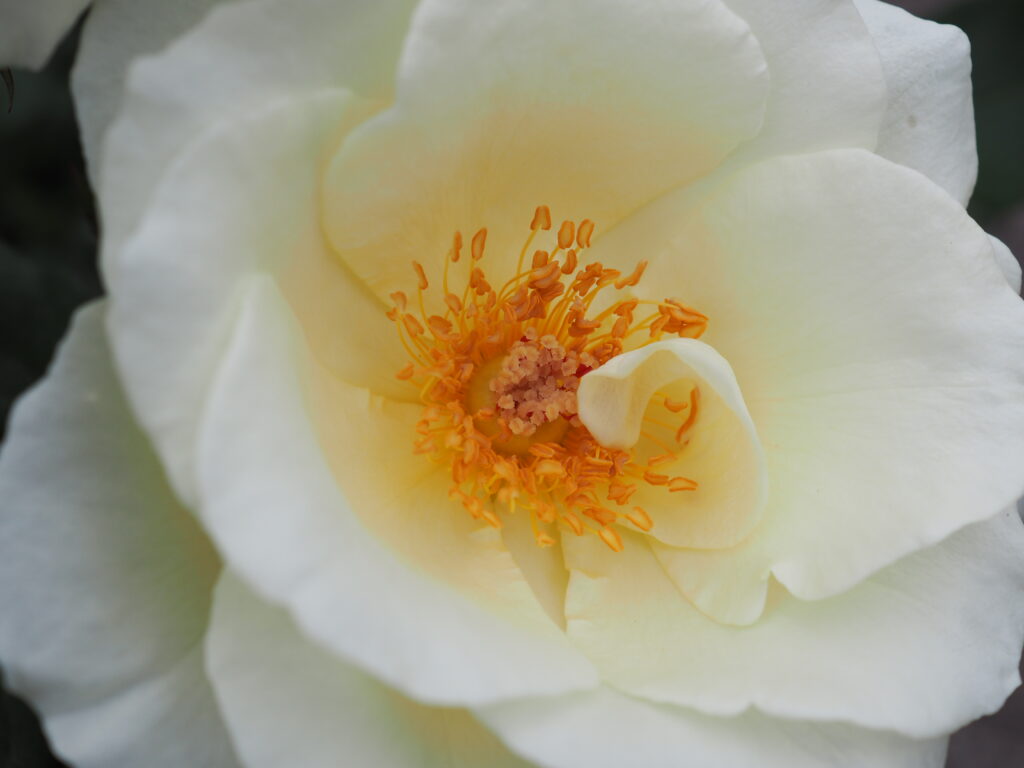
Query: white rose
[{"x": 818, "y": 564}]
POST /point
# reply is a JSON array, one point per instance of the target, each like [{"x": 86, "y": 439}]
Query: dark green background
[{"x": 48, "y": 236}]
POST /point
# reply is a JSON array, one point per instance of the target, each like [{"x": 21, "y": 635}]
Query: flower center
[{"x": 498, "y": 372}]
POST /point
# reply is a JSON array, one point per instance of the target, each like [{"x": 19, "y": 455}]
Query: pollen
[{"x": 497, "y": 370}]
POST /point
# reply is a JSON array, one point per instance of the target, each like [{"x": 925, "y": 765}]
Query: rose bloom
[{"x": 510, "y": 383}]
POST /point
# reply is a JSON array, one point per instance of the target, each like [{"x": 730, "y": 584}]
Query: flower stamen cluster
[{"x": 498, "y": 369}]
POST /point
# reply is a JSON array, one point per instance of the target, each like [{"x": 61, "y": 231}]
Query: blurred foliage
[{"x": 48, "y": 236}]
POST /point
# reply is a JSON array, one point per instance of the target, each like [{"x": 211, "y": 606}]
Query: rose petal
[
  {"x": 722, "y": 453},
  {"x": 589, "y": 107},
  {"x": 438, "y": 608},
  {"x": 879, "y": 350},
  {"x": 104, "y": 579},
  {"x": 929, "y": 121},
  {"x": 241, "y": 200},
  {"x": 899, "y": 651},
  {"x": 243, "y": 56},
  {"x": 283, "y": 696},
  {"x": 115, "y": 34},
  {"x": 827, "y": 87},
  {"x": 606, "y": 729}
]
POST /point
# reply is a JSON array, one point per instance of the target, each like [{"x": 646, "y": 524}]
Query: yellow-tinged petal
[{"x": 720, "y": 450}]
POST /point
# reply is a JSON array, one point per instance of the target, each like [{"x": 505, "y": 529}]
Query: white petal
[
  {"x": 879, "y": 350},
  {"x": 240, "y": 200},
  {"x": 290, "y": 702},
  {"x": 32, "y": 29},
  {"x": 104, "y": 579},
  {"x": 116, "y": 32},
  {"x": 929, "y": 121},
  {"x": 827, "y": 87},
  {"x": 243, "y": 56},
  {"x": 432, "y": 603},
  {"x": 589, "y": 106},
  {"x": 722, "y": 452},
  {"x": 606, "y": 729},
  {"x": 1007, "y": 262},
  {"x": 921, "y": 647}
]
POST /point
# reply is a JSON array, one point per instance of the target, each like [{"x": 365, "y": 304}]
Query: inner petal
[
  {"x": 626, "y": 403},
  {"x": 601, "y": 104}
]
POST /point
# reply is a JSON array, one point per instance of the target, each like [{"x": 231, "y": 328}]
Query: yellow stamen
[{"x": 498, "y": 373}]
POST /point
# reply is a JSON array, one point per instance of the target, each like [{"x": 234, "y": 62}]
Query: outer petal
[
  {"x": 242, "y": 199},
  {"x": 921, "y": 647},
  {"x": 104, "y": 580},
  {"x": 722, "y": 452},
  {"x": 592, "y": 107},
  {"x": 881, "y": 354},
  {"x": 439, "y": 609},
  {"x": 827, "y": 86},
  {"x": 606, "y": 729},
  {"x": 116, "y": 33},
  {"x": 289, "y": 701},
  {"x": 31, "y": 30},
  {"x": 243, "y": 56},
  {"x": 929, "y": 121}
]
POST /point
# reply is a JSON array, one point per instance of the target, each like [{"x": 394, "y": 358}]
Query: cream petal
[
  {"x": 290, "y": 702},
  {"x": 115, "y": 34},
  {"x": 879, "y": 350},
  {"x": 241, "y": 200},
  {"x": 722, "y": 453},
  {"x": 921, "y": 647},
  {"x": 105, "y": 580},
  {"x": 606, "y": 729},
  {"x": 827, "y": 86},
  {"x": 929, "y": 121},
  {"x": 591, "y": 107},
  {"x": 373, "y": 560},
  {"x": 243, "y": 56},
  {"x": 31, "y": 30}
]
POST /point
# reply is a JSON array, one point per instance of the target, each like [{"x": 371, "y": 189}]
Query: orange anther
[
  {"x": 565, "y": 234},
  {"x": 544, "y": 540},
  {"x": 682, "y": 484},
  {"x": 611, "y": 537},
  {"x": 540, "y": 258},
  {"x": 541, "y": 218},
  {"x": 412, "y": 325},
  {"x": 456, "y": 247},
  {"x": 549, "y": 468},
  {"x": 405, "y": 373},
  {"x": 655, "y": 479},
  {"x": 640, "y": 519},
  {"x": 477, "y": 246},
  {"x": 421, "y": 276},
  {"x": 453, "y": 302},
  {"x": 570, "y": 262},
  {"x": 400, "y": 300},
  {"x": 439, "y": 325},
  {"x": 585, "y": 231},
  {"x": 633, "y": 277},
  {"x": 674, "y": 405},
  {"x": 574, "y": 523}
]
